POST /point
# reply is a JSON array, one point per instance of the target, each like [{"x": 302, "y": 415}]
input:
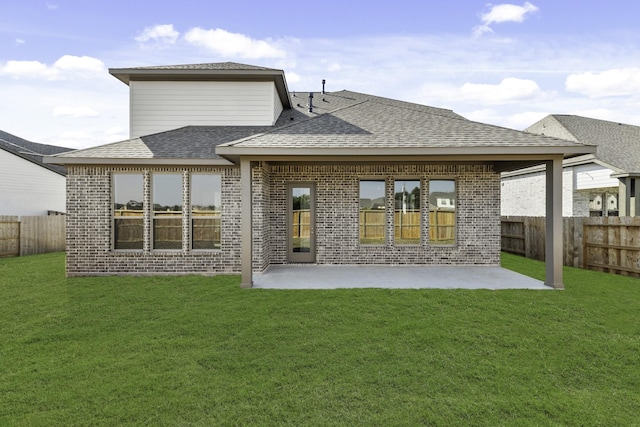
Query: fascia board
[
  {"x": 130, "y": 161},
  {"x": 573, "y": 161},
  {"x": 485, "y": 152}
]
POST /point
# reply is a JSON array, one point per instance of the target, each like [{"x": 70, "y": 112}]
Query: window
[
  {"x": 206, "y": 201},
  {"x": 372, "y": 212},
  {"x": 167, "y": 211},
  {"x": 442, "y": 211},
  {"x": 128, "y": 211},
  {"x": 407, "y": 213}
]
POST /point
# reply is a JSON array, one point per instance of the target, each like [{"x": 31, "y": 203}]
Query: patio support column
[
  {"x": 553, "y": 242},
  {"x": 246, "y": 228}
]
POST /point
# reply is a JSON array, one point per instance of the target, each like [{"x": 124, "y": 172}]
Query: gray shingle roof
[
  {"x": 618, "y": 143},
  {"x": 341, "y": 119},
  {"x": 31, "y": 151},
  {"x": 373, "y": 122},
  {"x": 189, "y": 142},
  {"x": 206, "y": 66}
]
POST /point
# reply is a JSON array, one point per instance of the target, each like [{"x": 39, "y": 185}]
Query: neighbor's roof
[
  {"x": 217, "y": 71},
  {"x": 341, "y": 123},
  {"x": 31, "y": 151},
  {"x": 618, "y": 143}
]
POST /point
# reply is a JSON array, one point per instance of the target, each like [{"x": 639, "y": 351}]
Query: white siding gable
[
  {"x": 158, "y": 106},
  {"x": 29, "y": 189},
  {"x": 594, "y": 176}
]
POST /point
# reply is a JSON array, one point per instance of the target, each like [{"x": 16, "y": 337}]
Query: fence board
[
  {"x": 42, "y": 234},
  {"x": 9, "y": 235},
  {"x": 612, "y": 244},
  {"x": 30, "y": 235},
  {"x": 609, "y": 244}
]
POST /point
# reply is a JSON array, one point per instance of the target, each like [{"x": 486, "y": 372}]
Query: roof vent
[
  {"x": 311, "y": 102},
  {"x": 323, "y": 82}
]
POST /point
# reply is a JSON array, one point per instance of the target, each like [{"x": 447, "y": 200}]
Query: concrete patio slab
[{"x": 392, "y": 277}]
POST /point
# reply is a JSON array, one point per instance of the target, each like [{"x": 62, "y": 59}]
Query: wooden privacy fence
[
  {"x": 30, "y": 235},
  {"x": 610, "y": 244},
  {"x": 407, "y": 225}
]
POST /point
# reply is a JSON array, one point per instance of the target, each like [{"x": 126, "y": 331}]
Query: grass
[{"x": 202, "y": 351}]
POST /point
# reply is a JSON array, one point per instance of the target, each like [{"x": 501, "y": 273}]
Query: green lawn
[{"x": 201, "y": 351}]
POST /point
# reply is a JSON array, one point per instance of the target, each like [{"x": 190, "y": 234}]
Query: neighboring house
[
  {"x": 27, "y": 185},
  {"x": 599, "y": 184},
  {"x": 227, "y": 171}
]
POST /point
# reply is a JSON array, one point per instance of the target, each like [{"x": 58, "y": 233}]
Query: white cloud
[
  {"x": 26, "y": 69},
  {"x": 75, "y": 139},
  {"x": 503, "y": 13},
  {"x": 79, "y": 64},
  {"x": 164, "y": 33},
  {"x": 52, "y": 6},
  {"x": 614, "y": 82},
  {"x": 508, "y": 90},
  {"x": 74, "y": 112},
  {"x": 525, "y": 119},
  {"x": 117, "y": 133},
  {"x": 20, "y": 41},
  {"x": 292, "y": 77},
  {"x": 519, "y": 121},
  {"x": 63, "y": 68},
  {"x": 233, "y": 44},
  {"x": 334, "y": 67}
]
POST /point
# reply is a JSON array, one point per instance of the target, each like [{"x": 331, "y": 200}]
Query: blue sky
[{"x": 505, "y": 63}]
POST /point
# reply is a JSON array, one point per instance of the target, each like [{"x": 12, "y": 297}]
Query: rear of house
[{"x": 238, "y": 174}]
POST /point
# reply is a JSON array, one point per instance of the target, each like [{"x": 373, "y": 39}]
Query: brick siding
[
  {"x": 90, "y": 227},
  {"x": 90, "y": 221},
  {"x": 337, "y": 214}
]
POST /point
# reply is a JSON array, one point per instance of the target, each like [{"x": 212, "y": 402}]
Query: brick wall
[
  {"x": 524, "y": 195},
  {"x": 90, "y": 227},
  {"x": 337, "y": 214},
  {"x": 90, "y": 222}
]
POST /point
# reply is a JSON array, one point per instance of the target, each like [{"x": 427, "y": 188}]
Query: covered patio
[{"x": 393, "y": 277}]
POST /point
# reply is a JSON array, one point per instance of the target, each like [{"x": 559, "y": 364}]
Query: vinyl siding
[
  {"x": 29, "y": 189},
  {"x": 594, "y": 176},
  {"x": 161, "y": 106},
  {"x": 277, "y": 105}
]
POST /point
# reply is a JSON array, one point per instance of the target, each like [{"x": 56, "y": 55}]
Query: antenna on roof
[
  {"x": 323, "y": 82},
  {"x": 311, "y": 102}
]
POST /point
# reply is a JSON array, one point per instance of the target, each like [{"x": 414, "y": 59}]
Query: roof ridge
[
  {"x": 22, "y": 149},
  {"x": 537, "y": 134},
  {"x": 418, "y": 110},
  {"x": 616, "y": 123},
  {"x": 411, "y": 106},
  {"x": 299, "y": 122}
]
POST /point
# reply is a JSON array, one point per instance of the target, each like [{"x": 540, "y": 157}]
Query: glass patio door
[{"x": 301, "y": 222}]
